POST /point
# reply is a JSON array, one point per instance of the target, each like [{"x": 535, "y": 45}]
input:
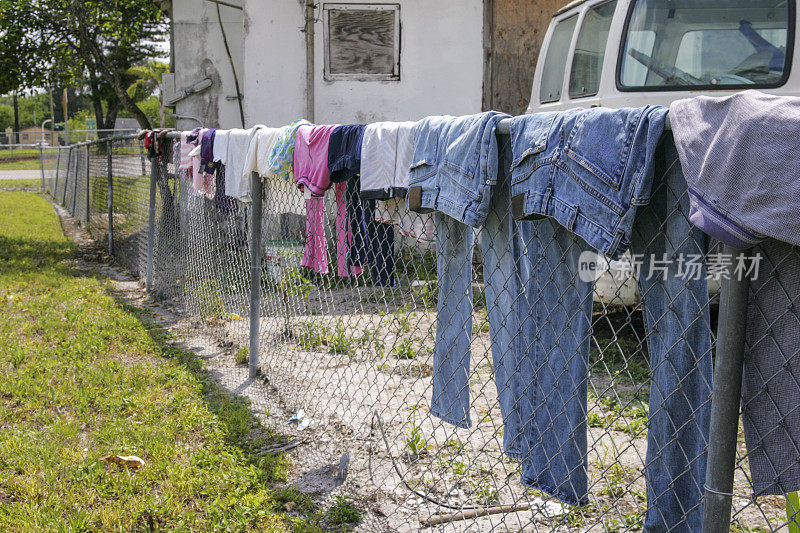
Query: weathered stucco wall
[
  {"x": 441, "y": 65},
  {"x": 274, "y": 52},
  {"x": 199, "y": 52}
]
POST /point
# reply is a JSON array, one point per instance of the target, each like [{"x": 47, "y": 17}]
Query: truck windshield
[{"x": 707, "y": 43}]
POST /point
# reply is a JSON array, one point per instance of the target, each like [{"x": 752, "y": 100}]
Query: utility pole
[
  {"x": 65, "y": 103},
  {"x": 16, "y": 119},
  {"x": 52, "y": 116}
]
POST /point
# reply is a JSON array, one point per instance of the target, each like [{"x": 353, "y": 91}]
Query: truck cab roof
[{"x": 621, "y": 53}]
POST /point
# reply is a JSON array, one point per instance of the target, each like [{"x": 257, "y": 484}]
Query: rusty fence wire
[{"x": 503, "y": 379}]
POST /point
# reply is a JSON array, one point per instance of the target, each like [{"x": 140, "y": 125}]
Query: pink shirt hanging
[{"x": 311, "y": 158}]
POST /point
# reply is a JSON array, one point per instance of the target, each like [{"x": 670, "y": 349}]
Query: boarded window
[{"x": 362, "y": 41}]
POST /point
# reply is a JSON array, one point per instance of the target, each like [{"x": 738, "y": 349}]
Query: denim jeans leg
[
  {"x": 451, "y": 355},
  {"x": 676, "y": 313},
  {"x": 504, "y": 301},
  {"x": 557, "y": 362}
]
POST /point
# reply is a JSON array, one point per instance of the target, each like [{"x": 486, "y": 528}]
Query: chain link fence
[{"x": 432, "y": 372}]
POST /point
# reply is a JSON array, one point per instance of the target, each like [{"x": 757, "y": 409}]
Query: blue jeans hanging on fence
[
  {"x": 678, "y": 326},
  {"x": 556, "y": 331},
  {"x": 501, "y": 249}
]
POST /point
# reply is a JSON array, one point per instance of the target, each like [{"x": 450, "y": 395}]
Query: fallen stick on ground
[
  {"x": 444, "y": 518},
  {"x": 282, "y": 447}
]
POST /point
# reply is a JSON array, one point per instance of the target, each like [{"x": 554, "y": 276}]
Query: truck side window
[
  {"x": 707, "y": 44},
  {"x": 587, "y": 62},
  {"x": 556, "y": 61}
]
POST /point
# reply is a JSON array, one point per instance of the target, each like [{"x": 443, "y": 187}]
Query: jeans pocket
[
  {"x": 421, "y": 171},
  {"x": 600, "y": 143},
  {"x": 463, "y": 185}
]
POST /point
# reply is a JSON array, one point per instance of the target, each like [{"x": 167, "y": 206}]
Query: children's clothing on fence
[
  {"x": 281, "y": 159},
  {"x": 261, "y": 145},
  {"x": 370, "y": 244},
  {"x": 344, "y": 152},
  {"x": 315, "y": 251},
  {"x": 385, "y": 159},
  {"x": 220, "y": 149},
  {"x": 185, "y": 162},
  {"x": 238, "y": 181},
  {"x": 311, "y": 158}
]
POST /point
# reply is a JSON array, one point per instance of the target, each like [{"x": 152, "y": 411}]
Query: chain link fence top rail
[{"x": 616, "y": 377}]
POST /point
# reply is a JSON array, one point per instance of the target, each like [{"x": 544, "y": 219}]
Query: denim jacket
[
  {"x": 587, "y": 168},
  {"x": 454, "y": 167}
]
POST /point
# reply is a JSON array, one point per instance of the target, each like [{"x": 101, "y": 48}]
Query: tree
[
  {"x": 46, "y": 42},
  {"x": 146, "y": 84}
]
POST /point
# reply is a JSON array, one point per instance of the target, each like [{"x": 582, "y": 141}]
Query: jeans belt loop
[
  {"x": 548, "y": 194},
  {"x": 572, "y": 217}
]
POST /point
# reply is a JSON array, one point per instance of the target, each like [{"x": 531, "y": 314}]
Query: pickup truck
[
  {"x": 630, "y": 53},
  {"x": 627, "y": 53}
]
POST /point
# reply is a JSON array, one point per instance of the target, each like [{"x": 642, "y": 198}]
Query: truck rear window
[
  {"x": 707, "y": 44},
  {"x": 556, "y": 60}
]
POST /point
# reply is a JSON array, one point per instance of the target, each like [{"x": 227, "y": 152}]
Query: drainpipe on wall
[{"x": 309, "y": 31}]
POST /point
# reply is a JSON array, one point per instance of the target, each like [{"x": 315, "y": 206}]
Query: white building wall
[
  {"x": 199, "y": 52},
  {"x": 274, "y": 55},
  {"x": 441, "y": 66}
]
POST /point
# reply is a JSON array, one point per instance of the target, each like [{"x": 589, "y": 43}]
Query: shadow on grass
[
  {"x": 18, "y": 255},
  {"x": 244, "y": 431}
]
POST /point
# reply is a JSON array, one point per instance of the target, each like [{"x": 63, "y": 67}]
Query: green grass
[
  {"x": 19, "y": 152},
  {"x": 21, "y": 185},
  {"x": 82, "y": 377},
  {"x": 21, "y": 164},
  {"x": 343, "y": 512}
]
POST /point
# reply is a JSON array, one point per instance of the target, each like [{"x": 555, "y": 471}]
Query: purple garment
[
  {"x": 207, "y": 152},
  {"x": 192, "y": 136},
  {"x": 741, "y": 158}
]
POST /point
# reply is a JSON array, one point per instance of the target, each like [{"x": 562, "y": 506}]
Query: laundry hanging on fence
[
  {"x": 260, "y": 147},
  {"x": 604, "y": 162},
  {"x": 280, "y": 195},
  {"x": 386, "y": 159},
  {"x": 740, "y": 157},
  {"x": 370, "y": 245},
  {"x": 566, "y": 183},
  {"x": 281, "y": 159},
  {"x": 238, "y": 181},
  {"x": 185, "y": 161},
  {"x": 587, "y": 168},
  {"x": 454, "y": 166},
  {"x": 311, "y": 158}
]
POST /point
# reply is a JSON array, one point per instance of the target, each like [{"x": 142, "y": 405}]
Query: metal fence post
[
  {"x": 255, "y": 272},
  {"x": 151, "y": 226},
  {"x": 725, "y": 401},
  {"x": 41, "y": 164},
  {"x": 66, "y": 179},
  {"x": 75, "y": 185},
  {"x": 88, "y": 190},
  {"x": 54, "y": 191},
  {"x": 110, "y": 198}
]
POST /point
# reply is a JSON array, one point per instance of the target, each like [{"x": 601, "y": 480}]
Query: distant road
[{"x": 20, "y": 174}]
